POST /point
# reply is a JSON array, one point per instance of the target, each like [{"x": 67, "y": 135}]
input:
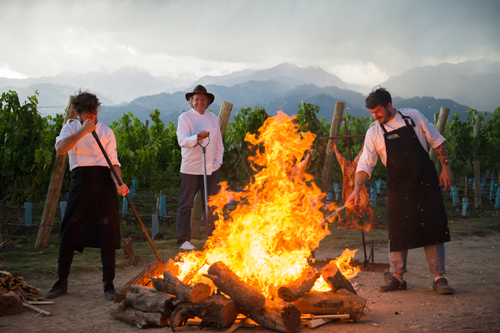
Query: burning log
[
  {"x": 170, "y": 284},
  {"x": 299, "y": 287},
  {"x": 149, "y": 300},
  {"x": 335, "y": 279},
  {"x": 332, "y": 302},
  {"x": 249, "y": 298},
  {"x": 155, "y": 269},
  {"x": 216, "y": 309},
  {"x": 10, "y": 303},
  {"x": 140, "y": 319},
  {"x": 278, "y": 315}
]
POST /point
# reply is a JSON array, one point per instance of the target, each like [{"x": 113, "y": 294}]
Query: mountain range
[{"x": 458, "y": 86}]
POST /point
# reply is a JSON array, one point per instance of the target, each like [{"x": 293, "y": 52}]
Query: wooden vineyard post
[
  {"x": 196, "y": 226},
  {"x": 477, "y": 167},
  {"x": 50, "y": 207},
  {"x": 330, "y": 155},
  {"x": 440, "y": 125}
]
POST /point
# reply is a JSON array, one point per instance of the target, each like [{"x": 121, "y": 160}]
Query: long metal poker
[
  {"x": 338, "y": 211},
  {"x": 204, "y": 149},
  {"x": 120, "y": 183}
]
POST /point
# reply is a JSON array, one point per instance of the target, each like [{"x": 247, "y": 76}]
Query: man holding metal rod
[
  {"x": 91, "y": 218},
  {"x": 416, "y": 215},
  {"x": 199, "y": 135}
]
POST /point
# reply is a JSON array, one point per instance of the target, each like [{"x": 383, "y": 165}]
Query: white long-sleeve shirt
[
  {"x": 86, "y": 151},
  {"x": 374, "y": 145},
  {"x": 188, "y": 126}
]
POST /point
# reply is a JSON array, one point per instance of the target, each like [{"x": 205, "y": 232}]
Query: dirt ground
[{"x": 473, "y": 270}]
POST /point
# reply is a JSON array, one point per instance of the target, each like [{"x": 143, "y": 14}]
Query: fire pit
[{"x": 256, "y": 262}]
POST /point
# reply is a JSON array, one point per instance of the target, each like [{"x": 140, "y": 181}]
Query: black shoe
[
  {"x": 441, "y": 286},
  {"x": 109, "y": 291},
  {"x": 392, "y": 284},
  {"x": 59, "y": 288}
]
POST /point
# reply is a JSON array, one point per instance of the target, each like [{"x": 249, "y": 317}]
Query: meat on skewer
[{"x": 349, "y": 173}]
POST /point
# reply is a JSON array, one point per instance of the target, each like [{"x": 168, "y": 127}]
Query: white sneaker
[{"x": 187, "y": 246}]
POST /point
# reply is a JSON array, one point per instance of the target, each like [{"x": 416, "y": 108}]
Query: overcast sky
[{"x": 363, "y": 42}]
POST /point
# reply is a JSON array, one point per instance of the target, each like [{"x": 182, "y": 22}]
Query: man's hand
[
  {"x": 446, "y": 178},
  {"x": 88, "y": 126},
  {"x": 203, "y": 135},
  {"x": 123, "y": 190},
  {"x": 353, "y": 197},
  {"x": 359, "y": 181}
]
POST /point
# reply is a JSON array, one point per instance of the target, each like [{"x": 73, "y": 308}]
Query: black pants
[{"x": 107, "y": 259}]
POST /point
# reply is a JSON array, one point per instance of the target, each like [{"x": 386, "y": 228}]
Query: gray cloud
[{"x": 363, "y": 41}]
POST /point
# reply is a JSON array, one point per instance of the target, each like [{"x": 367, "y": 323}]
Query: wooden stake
[
  {"x": 440, "y": 126},
  {"x": 477, "y": 167},
  {"x": 329, "y": 158},
  {"x": 50, "y": 208}
]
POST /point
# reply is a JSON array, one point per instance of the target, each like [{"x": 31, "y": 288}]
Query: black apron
[
  {"x": 91, "y": 218},
  {"x": 416, "y": 215}
]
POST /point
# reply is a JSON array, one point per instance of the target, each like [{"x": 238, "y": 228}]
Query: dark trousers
[
  {"x": 190, "y": 185},
  {"x": 107, "y": 258}
]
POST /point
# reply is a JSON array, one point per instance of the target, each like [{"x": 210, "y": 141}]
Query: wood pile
[
  {"x": 15, "y": 294},
  {"x": 171, "y": 302}
]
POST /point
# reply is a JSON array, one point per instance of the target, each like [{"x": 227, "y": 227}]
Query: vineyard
[{"x": 151, "y": 157}]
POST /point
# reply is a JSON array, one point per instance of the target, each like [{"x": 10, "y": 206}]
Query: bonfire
[{"x": 265, "y": 243}]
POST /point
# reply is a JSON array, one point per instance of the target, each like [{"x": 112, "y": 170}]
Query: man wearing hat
[{"x": 193, "y": 126}]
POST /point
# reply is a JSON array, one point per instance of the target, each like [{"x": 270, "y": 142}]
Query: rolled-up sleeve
[
  {"x": 65, "y": 132},
  {"x": 432, "y": 135}
]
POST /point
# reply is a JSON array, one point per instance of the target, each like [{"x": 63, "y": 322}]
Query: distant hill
[
  {"x": 123, "y": 85},
  {"x": 273, "y": 96},
  {"x": 473, "y": 83},
  {"x": 458, "y": 86},
  {"x": 52, "y": 98},
  {"x": 286, "y": 73}
]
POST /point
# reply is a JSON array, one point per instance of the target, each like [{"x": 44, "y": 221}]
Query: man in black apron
[
  {"x": 416, "y": 214},
  {"x": 91, "y": 218}
]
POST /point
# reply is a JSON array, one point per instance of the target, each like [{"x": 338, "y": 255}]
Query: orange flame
[
  {"x": 343, "y": 263},
  {"x": 267, "y": 238}
]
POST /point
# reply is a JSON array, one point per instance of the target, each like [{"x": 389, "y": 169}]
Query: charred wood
[
  {"x": 335, "y": 279},
  {"x": 155, "y": 269},
  {"x": 137, "y": 318},
  {"x": 278, "y": 315},
  {"x": 170, "y": 284},
  {"x": 249, "y": 298},
  {"x": 216, "y": 309},
  {"x": 299, "y": 287},
  {"x": 145, "y": 300},
  {"x": 330, "y": 302}
]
